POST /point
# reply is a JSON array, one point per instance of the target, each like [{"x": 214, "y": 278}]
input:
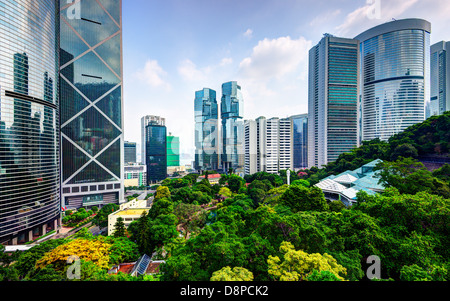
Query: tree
[
  {"x": 300, "y": 198},
  {"x": 119, "y": 228},
  {"x": 299, "y": 265},
  {"x": 160, "y": 206},
  {"x": 235, "y": 274},
  {"x": 406, "y": 150},
  {"x": 162, "y": 192},
  {"x": 225, "y": 192}
]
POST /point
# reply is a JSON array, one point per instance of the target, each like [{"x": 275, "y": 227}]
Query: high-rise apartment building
[
  {"x": 300, "y": 141},
  {"x": 268, "y": 145},
  {"x": 440, "y": 79},
  {"x": 232, "y": 135},
  {"x": 146, "y": 120},
  {"x": 130, "y": 152},
  {"x": 333, "y": 99},
  {"x": 394, "y": 77},
  {"x": 29, "y": 117},
  {"x": 206, "y": 130},
  {"x": 156, "y": 150},
  {"x": 91, "y": 86}
]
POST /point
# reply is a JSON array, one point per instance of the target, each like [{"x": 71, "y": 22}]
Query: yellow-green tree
[
  {"x": 225, "y": 192},
  {"x": 235, "y": 274},
  {"x": 162, "y": 192},
  {"x": 298, "y": 265},
  {"x": 95, "y": 251}
]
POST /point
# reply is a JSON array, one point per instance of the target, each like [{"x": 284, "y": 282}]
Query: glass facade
[
  {"x": 156, "y": 152},
  {"x": 300, "y": 141},
  {"x": 130, "y": 152},
  {"x": 440, "y": 79},
  {"x": 91, "y": 100},
  {"x": 206, "y": 130},
  {"x": 29, "y": 118},
  {"x": 333, "y": 100},
  {"x": 232, "y": 115},
  {"x": 395, "y": 60},
  {"x": 173, "y": 151}
]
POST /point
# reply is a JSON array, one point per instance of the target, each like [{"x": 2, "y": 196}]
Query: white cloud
[
  {"x": 325, "y": 18},
  {"x": 153, "y": 75},
  {"x": 275, "y": 58},
  {"x": 189, "y": 71},
  {"x": 226, "y": 61},
  {"x": 248, "y": 33}
]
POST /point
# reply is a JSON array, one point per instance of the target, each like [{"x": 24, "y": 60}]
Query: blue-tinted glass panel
[
  {"x": 110, "y": 52},
  {"x": 113, "y": 7},
  {"x": 73, "y": 159},
  {"x": 93, "y": 173},
  {"x": 71, "y": 45},
  {"x": 111, "y": 158},
  {"x": 111, "y": 105}
]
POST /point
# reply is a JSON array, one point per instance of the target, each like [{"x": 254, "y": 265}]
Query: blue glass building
[
  {"x": 440, "y": 79},
  {"x": 91, "y": 103},
  {"x": 333, "y": 99},
  {"x": 232, "y": 115},
  {"x": 156, "y": 152},
  {"x": 29, "y": 118},
  {"x": 300, "y": 141},
  {"x": 206, "y": 130},
  {"x": 395, "y": 83}
]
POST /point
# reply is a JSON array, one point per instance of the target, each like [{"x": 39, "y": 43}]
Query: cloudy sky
[{"x": 173, "y": 48}]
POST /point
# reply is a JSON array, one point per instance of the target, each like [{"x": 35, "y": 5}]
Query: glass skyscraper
[
  {"x": 300, "y": 141},
  {"x": 395, "y": 69},
  {"x": 333, "y": 99},
  {"x": 91, "y": 102},
  {"x": 156, "y": 152},
  {"x": 173, "y": 151},
  {"x": 206, "y": 130},
  {"x": 29, "y": 118},
  {"x": 440, "y": 79},
  {"x": 232, "y": 115},
  {"x": 130, "y": 152}
]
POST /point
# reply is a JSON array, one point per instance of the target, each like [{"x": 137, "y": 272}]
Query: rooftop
[{"x": 129, "y": 212}]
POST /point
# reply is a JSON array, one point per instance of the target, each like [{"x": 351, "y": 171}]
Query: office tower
[
  {"x": 267, "y": 145},
  {"x": 129, "y": 152},
  {"x": 394, "y": 73},
  {"x": 156, "y": 151},
  {"x": 173, "y": 151},
  {"x": 333, "y": 99},
  {"x": 250, "y": 147},
  {"x": 206, "y": 130},
  {"x": 440, "y": 79},
  {"x": 146, "y": 120},
  {"x": 91, "y": 84},
  {"x": 300, "y": 141},
  {"x": 232, "y": 115},
  {"x": 29, "y": 114}
]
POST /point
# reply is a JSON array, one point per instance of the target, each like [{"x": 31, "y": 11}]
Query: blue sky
[{"x": 173, "y": 48}]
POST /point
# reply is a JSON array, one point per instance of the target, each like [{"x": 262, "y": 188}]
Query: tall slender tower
[
  {"x": 440, "y": 79},
  {"x": 206, "y": 130},
  {"x": 29, "y": 115},
  {"x": 232, "y": 115},
  {"x": 333, "y": 99},
  {"x": 395, "y": 71},
  {"x": 91, "y": 84}
]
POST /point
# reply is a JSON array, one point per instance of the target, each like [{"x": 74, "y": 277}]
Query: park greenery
[{"x": 258, "y": 228}]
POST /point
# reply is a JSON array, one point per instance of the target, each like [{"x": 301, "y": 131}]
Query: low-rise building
[
  {"x": 129, "y": 212},
  {"x": 345, "y": 186},
  {"x": 213, "y": 178}
]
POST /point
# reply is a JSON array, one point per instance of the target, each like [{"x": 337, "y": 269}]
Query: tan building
[{"x": 130, "y": 212}]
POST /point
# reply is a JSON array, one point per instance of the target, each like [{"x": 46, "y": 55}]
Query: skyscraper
[
  {"x": 91, "y": 84},
  {"x": 440, "y": 79},
  {"x": 29, "y": 112},
  {"x": 267, "y": 145},
  {"x": 394, "y": 72},
  {"x": 206, "y": 130},
  {"x": 130, "y": 152},
  {"x": 300, "y": 141},
  {"x": 146, "y": 120},
  {"x": 333, "y": 99},
  {"x": 156, "y": 151},
  {"x": 173, "y": 151},
  {"x": 232, "y": 116}
]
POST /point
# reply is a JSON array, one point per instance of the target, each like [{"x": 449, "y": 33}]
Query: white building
[{"x": 268, "y": 145}]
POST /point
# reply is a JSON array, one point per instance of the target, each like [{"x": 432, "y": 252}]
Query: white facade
[{"x": 268, "y": 145}]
